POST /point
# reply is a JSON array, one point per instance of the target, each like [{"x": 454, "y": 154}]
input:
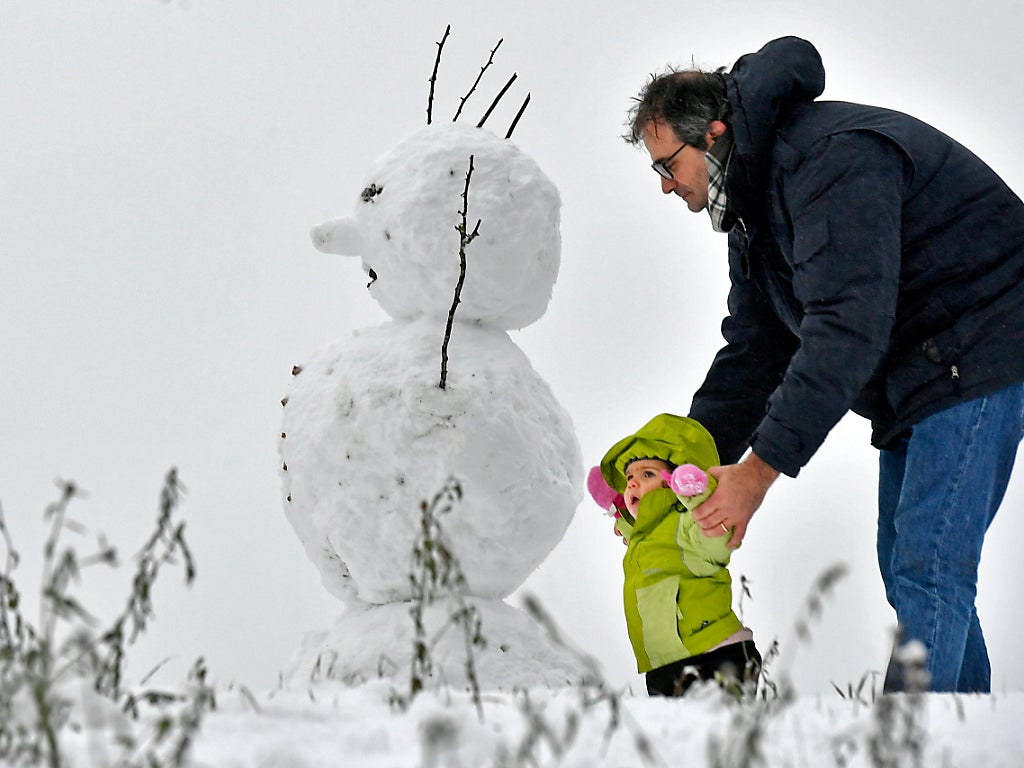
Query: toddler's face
[{"x": 642, "y": 476}]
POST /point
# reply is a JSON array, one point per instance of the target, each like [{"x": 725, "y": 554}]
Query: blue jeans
[{"x": 938, "y": 490}]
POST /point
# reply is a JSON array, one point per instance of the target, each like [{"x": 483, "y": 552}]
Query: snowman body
[
  {"x": 496, "y": 429},
  {"x": 369, "y": 435}
]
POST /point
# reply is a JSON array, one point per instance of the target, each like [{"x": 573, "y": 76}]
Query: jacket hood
[
  {"x": 677, "y": 439},
  {"x": 762, "y": 87}
]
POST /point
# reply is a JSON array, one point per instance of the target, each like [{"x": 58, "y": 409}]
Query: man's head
[
  {"x": 682, "y": 168},
  {"x": 643, "y": 475},
  {"x": 677, "y": 116}
]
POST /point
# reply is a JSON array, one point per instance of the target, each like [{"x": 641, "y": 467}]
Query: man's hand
[{"x": 741, "y": 489}]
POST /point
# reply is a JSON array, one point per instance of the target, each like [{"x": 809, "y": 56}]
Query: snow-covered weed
[
  {"x": 435, "y": 576},
  {"x": 900, "y": 732},
  {"x": 743, "y": 745},
  {"x": 62, "y": 678},
  {"x": 594, "y": 694}
]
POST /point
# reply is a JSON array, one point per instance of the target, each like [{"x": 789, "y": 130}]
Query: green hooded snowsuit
[{"x": 677, "y": 592}]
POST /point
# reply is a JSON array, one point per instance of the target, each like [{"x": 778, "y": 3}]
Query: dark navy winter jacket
[{"x": 879, "y": 267}]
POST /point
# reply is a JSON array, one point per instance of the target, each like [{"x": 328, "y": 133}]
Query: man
[{"x": 876, "y": 266}]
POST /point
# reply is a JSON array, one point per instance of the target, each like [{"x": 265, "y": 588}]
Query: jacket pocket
[
  {"x": 658, "y": 607},
  {"x": 817, "y": 272},
  {"x": 810, "y": 236},
  {"x": 931, "y": 364}
]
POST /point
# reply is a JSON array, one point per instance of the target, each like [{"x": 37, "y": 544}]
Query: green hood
[{"x": 671, "y": 438}]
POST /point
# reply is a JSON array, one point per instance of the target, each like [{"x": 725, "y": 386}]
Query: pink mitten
[
  {"x": 607, "y": 498},
  {"x": 687, "y": 480}
]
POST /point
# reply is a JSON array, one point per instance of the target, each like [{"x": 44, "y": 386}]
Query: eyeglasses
[{"x": 661, "y": 166}]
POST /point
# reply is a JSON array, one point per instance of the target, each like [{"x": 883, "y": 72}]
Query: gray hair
[{"x": 686, "y": 100}]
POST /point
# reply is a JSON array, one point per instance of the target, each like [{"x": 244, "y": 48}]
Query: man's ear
[{"x": 715, "y": 129}]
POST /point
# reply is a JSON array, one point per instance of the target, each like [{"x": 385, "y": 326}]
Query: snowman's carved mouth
[{"x": 373, "y": 278}]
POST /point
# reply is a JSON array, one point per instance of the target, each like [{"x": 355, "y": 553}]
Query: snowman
[{"x": 377, "y": 423}]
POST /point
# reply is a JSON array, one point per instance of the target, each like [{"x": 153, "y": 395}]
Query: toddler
[{"x": 677, "y": 590}]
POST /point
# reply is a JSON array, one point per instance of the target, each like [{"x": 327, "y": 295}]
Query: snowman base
[{"x": 376, "y": 641}]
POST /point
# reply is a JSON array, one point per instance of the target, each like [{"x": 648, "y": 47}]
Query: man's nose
[{"x": 667, "y": 185}]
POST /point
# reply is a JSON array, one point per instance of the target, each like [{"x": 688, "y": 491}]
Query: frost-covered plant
[
  {"x": 593, "y": 690},
  {"x": 437, "y": 576},
  {"x": 862, "y": 692},
  {"x": 896, "y": 735},
  {"x": 44, "y": 665},
  {"x": 176, "y": 724},
  {"x": 743, "y": 745},
  {"x": 899, "y": 733}
]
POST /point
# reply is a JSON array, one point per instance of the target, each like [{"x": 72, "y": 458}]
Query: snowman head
[{"x": 405, "y": 228}]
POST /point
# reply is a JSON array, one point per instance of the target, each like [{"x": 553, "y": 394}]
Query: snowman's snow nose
[{"x": 339, "y": 236}]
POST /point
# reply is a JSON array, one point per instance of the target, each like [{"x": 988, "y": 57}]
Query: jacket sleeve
[
  {"x": 845, "y": 202},
  {"x": 734, "y": 396},
  {"x": 702, "y": 554}
]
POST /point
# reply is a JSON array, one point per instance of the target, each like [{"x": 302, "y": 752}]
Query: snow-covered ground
[{"x": 334, "y": 726}]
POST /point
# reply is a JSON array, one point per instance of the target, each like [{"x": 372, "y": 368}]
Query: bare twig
[
  {"x": 496, "y": 100},
  {"x": 483, "y": 69},
  {"x": 465, "y": 238},
  {"x": 519, "y": 114},
  {"x": 433, "y": 75}
]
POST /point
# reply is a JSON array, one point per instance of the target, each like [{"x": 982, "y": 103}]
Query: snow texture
[
  {"x": 369, "y": 436},
  {"x": 405, "y": 219},
  {"x": 361, "y": 645},
  {"x": 335, "y": 726}
]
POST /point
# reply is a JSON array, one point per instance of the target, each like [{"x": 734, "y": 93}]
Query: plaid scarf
[{"x": 717, "y": 158}]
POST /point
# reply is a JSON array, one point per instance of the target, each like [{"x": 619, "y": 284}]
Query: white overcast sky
[{"x": 161, "y": 164}]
